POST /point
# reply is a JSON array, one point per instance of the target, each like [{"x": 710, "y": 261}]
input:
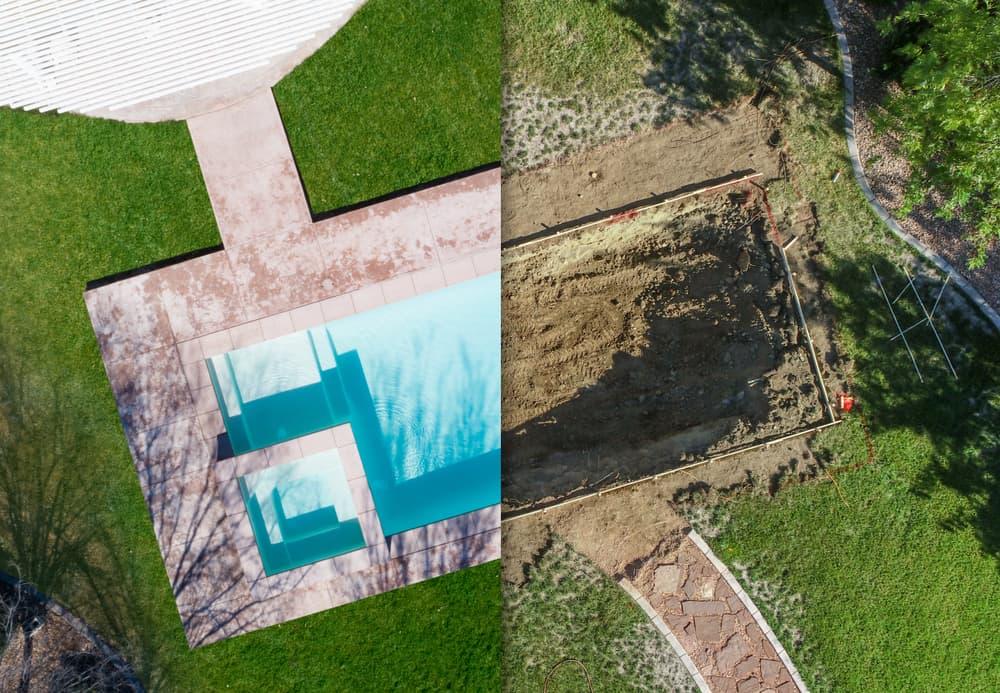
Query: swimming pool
[
  {"x": 417, "y": 380},
  {"x": 301, "y": 512}
]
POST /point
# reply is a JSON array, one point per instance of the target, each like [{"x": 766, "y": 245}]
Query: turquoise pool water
[
  {"x": 419, "y": 382},
  {"x": 301, "y": 512}
]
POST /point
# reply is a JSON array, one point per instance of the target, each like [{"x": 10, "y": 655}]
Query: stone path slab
[
  {"x": 716, "y": 624},
  {"x": 635, "y": 536}
]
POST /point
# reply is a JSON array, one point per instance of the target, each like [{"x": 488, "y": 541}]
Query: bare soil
[
  {"x": 656, "y": 162},
  {"x": 626, "y": 525},
  {"x": 634, "y": 348}
]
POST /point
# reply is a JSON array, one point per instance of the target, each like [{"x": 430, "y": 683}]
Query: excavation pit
[{"x": 640, "y": 346}]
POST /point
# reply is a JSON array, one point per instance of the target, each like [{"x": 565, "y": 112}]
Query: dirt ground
[
  {"x": 657, "y": 162},
  {"x": 633, "y": 348},
  {"x": 626, "y": 525}
]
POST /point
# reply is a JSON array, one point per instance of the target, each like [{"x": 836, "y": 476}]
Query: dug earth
[{"x": 636, "y": 347}]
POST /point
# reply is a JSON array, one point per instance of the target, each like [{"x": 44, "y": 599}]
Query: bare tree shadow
[
  {"x": 52, "y": 534},
  {"x": 424, "y": 554}
]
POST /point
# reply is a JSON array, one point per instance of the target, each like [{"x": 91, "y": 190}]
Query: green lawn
[
  {"x": 569, "y": 609},
  {"x": 704, "y": 53},
  {"x": 409, "y": 91},
  {"x": 897, "y": 563},
  {"x": 84, "y": 198}
]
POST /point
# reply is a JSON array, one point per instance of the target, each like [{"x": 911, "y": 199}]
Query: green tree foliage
[{"x": 948, "y": 111}]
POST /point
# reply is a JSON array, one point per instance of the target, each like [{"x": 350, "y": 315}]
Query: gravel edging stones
[{"x": 957, "y": 277}]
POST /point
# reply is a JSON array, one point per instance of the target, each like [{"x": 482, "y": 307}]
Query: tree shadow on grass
[
  {"x": 52, "y": 534},
  {"x": 703, "y": 55},
  {"x": 960, "y": 417}
]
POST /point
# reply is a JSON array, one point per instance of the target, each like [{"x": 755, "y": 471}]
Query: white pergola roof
[{"x": 103, "y": 55}]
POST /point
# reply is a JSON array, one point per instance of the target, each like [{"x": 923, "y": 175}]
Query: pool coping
[{"x": 156, "y": 329}]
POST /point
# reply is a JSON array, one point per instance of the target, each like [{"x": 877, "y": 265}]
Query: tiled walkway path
[
  {"x": 636, "y": 537},
  {"x": 279, "y": 272},
  {"x": 719, "y": 629}
]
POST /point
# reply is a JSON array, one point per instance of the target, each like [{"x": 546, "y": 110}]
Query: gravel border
[
  {"x": 81, "y": 627},
  {"x": 661, "y": 626},
  {"x": 849, "y": 117}
]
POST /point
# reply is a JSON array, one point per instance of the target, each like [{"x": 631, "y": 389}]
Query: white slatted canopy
[{"x": 104, "y": 55}]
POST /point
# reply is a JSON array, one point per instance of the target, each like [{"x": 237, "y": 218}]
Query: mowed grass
[
  {"x": 566, "y": 46},
  {"x": 897, "y": 560},
  {"x": 569, "y": 610},
  {"x": 409, "y": 91},
  {"x": 701, "y": 53},
  {"x": 84, "y": 198}
]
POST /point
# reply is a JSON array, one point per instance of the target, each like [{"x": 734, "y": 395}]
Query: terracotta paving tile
[
  {"x": 128, "y": 318},
  {"x": 205, "y": 571},
  {"x": 284, "y": 452},
  {"x": 398, "y": 289},
  {"x": 343, "y": 435},
  {"x": 371, "y": 528},
  {"x": 362, "y": 495},
  {"x": 450, "y": 530},
  {"x": 220, "y": 620},
  {"x": 375, "y": 243},
  {"x": 150, "y": 389},
  {"x": 379, "y": 578},
  {"x": 241, "y": 138},
  {"x": 367, "y": 298},
  {"x": 301, "y": 603},
  {"x": 459, "y": 271},
  {"x": 464, "y": 215},
  {"x": 279, "y": 272},
  {"x": 307, "y": 316},
  {"x": 248, "y": 207},
  {"x": 216, "y": 343},
  {"x": 253, "y": 569},
  {"x": 251, "y": 462},
  {"x": 190, "y": 351},
  {"x": 314, "y": 443},
  {"x": 351, "y": 459},
  {"x": 212, "y": 425},
  {"x": 224, "y": 470},
  {"x": 276, "y": 326},
  {"x": 487, "y": 261},
  {"x": 196, "y": 375},
  {"x": 185, "y": 509},
  {"x": 337, "y": 307},
  {"x": 231, "y": 497},
  {"x": 200, "y": 296},
  {"x": 240, "y": 530},
  {"x": 430, "y": 279},
  {"x": 377, "y": 552},
  {"x": 447, "y": 558},
  {"x": 300, "y": 580},
  {"x": 246, "y": 334},
  {"x": 175, "y": 449}
]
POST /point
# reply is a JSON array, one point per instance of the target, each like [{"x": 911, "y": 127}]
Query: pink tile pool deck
[{"x": 279, "y": 272}]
